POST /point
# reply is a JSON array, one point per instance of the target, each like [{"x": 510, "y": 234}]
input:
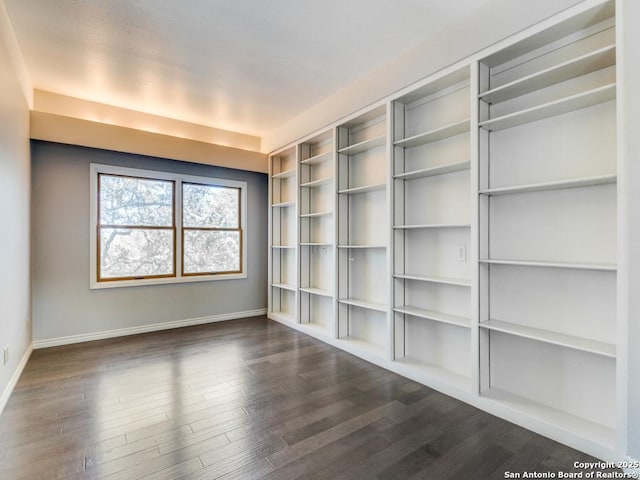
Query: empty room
[{"x": 358, "y": 239}]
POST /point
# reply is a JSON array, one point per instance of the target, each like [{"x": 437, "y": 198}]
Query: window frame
[
  {"x": 210, "y": 229},
  {"x": 99, "y": 226},
  {"x": 178, "y": 276}
]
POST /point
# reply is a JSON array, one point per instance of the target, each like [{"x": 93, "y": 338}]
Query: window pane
[
  {"x": 126, "y": 252},
  {"x": 209, "y": 206},
  {"x": 135, "y": 201},
  {"x": 208, "y": 251}
]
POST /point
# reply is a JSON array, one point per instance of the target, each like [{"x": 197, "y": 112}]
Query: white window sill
[{"x": 165, "y": 281}]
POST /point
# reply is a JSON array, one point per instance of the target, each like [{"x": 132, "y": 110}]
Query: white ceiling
[{"x": 241, "y": 65}]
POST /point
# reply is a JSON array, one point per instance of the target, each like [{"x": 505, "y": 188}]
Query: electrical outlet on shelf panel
[
  {"x": 6, "y": 355},
  {"x": 461, "y": 253}
]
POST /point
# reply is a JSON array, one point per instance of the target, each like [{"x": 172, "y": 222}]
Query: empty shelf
[
  {"x": 561, "y": 339},
  {"x": 283, "y": 204},
  {"x": 285, "y": 174},
  {"x": 315, "y": 214},
  {"x": 582, "y": 65},
  {"x": 316, "y": 328},
  {"x": 317, "y": 183},
  {"x": 525, "y": 263},
  {"x": 363, "y": 189},
  {"x": 461, "y": 282},
  {"x": 363, "y": 346},
  {"x": 433, "y": 171},
  {"x": 364, "y": 145},
  {"x": 551, "y": 109},
  {"x": 555, "y": 185},
  {"x": 355, "y": 302},
  {"x": 283, "y": 247},
  {"x": 323, "y": 157},
  {"x": 581, "y": 427},
  {"x": 603, "y": 12},
  {"x": 284, "y": 286},
  {"x": 282, "y": 316},
  {"x": 316, "y": 244},
  {"x": 432, "y": 225},
  {"x": 435, "y": 135},
  {"x": 429, "y": 373},
  {"x": 435, "y": 316},
  {"x": 317, "y": 291}
]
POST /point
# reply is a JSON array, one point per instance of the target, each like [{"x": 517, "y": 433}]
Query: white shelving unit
[
  {"x": 431, "y": 230},
  {"x": 547, "y": 196},
  {"x": 362, "y": 174},
  {"x": 283, "y": 235},
  {"x": 317, "y": 233},
  {"x": 464, "y": 233}
]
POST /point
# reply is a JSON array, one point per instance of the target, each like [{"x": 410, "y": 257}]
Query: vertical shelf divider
[
  {"x": 482, "y": 218},
  {"x": 391, "y": 340},
  {"x": 478, "y": 366}
]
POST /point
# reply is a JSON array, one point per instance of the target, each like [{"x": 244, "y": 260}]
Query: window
[
  {"x": 211, "y": 233},
  {"x": 136, "y": 228},
  {"x": 151, "y": 227}
]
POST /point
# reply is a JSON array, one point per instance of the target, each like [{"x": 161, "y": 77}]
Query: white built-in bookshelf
[
  {"x": 547, "y": 209},
  {"x": 431, "y": 285},
  {"x": 463, "y": 232},
  {"x": 317, "y": 238},
  {"x": 283, "y": 234},
  {"x": 362, "y": 236}
]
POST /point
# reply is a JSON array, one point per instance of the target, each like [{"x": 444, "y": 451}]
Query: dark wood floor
[{"x": 248, "y": 399}]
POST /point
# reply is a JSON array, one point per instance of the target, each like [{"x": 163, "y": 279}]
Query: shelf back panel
[{"x": 571, "y": 381}]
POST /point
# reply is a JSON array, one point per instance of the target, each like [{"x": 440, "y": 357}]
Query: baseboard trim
[
  {"x": 15, "y": 377},
  {"x": 154, "y": 327}
]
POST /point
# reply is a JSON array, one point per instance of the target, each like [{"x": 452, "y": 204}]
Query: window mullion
[{"x": 179, "y": 229}]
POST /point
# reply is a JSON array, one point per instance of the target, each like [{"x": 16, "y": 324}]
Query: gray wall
[
  {"x": 63, "y": 304},
  {"x": 15, "y": 294}
]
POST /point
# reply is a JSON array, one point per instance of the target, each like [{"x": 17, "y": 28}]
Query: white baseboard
[
  {"x": 155, "y": 327},
  {"x": 14, "y": 378}
]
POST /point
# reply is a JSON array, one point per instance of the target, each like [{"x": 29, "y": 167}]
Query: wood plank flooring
[{"x": 247, "y": 399}]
